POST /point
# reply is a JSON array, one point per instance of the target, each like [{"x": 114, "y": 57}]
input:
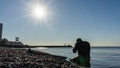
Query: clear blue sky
[{"x": 96, "y": 21}]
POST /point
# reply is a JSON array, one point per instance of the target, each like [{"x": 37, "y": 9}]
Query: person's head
[{"x": 79, "y": 40}]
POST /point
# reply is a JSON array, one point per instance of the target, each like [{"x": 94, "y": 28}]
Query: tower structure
[
  {"x": 1, "y": 27},
  {"x": 16, "y": 39}
]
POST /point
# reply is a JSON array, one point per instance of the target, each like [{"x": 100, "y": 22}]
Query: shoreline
[
  {"x": 24, "y": 58},
  {"x": 28, "y": 46}
]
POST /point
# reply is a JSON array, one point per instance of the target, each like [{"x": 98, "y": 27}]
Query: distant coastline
[
  {"x": 51, "y": 46},
  {"x": 28, "y": 46},
  {"x": 105, "y": 46}
]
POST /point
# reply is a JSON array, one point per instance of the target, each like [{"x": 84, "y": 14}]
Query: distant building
[
  {"x": 1, "y": 26},
  {"x": 16, "y": 38},
  {"x": 7, "y": 42},
  {"x": 15, "y": 43}
]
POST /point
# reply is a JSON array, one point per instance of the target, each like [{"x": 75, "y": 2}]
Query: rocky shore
[{"x": 24, "y": 58}]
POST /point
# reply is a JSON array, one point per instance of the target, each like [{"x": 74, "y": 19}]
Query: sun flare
[{"x": 39, "y": 12}]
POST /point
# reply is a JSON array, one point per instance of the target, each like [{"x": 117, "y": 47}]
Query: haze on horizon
[{"x": 62, "y": 21}]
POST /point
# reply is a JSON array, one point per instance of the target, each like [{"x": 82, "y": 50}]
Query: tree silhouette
[{"x": 4, "y": 41}]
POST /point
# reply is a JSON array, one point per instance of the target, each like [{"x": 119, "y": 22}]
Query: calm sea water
[{"x": 101, "y": 57}]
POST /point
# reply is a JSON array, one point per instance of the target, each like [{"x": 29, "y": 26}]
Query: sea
[{"x": 101, "y": 57}]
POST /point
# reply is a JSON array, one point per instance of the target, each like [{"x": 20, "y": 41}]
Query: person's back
[{"x": 83, "y": 48}]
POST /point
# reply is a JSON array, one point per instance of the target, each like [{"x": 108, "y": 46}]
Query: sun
[{"x": 39, "y": 12}]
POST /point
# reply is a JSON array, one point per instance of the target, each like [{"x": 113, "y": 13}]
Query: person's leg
[{"x": 88, "y": 62}]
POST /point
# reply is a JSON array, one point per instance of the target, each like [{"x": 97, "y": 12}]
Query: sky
[{"x": 95, "y": 21}]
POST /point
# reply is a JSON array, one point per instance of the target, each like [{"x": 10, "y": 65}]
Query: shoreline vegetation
[{"x": 27, "y": 58}]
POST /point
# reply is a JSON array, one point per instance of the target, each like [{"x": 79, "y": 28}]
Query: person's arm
[{"x": 75, "y": 49}]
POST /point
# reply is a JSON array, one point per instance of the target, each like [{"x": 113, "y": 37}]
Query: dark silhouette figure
[
  {"x": 30, "y": 51},
  {"x": 83, "y": 48}
]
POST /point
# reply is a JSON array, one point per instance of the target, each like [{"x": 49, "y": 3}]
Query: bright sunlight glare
[{"x": 39, "y": 12}]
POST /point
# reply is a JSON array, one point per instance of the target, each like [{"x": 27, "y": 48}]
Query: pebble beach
[{"x": 24, "y": 58}]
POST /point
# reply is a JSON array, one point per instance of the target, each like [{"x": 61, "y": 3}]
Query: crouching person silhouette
[{"x": 83, "y": 48}]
